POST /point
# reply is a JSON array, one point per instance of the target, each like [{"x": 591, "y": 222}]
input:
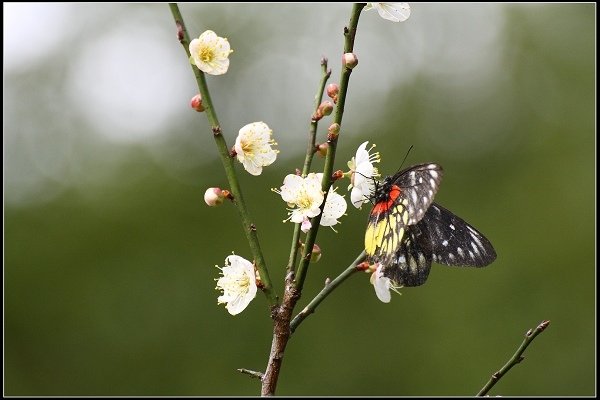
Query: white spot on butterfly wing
[
  {"x": 413, "y": 194},
  {"x": 412, "y": 263},
  {"x": 476, "y": 239},
  {"x": 475, "y": 248}
]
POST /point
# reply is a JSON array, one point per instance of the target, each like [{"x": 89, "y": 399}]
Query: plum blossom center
[{"x": 206, "y": 54}]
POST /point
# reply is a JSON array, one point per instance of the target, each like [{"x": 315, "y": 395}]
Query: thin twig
[
  {"x": 253, "y": 374},
  {"x": 515, "y": 359},
  {"x": 234, "y": 186},
  {"x": 326, "y": 291}
]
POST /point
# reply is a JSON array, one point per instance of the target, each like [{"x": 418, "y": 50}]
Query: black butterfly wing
[
  {"x": 456, "y": 243},
  {"x": 412, "y": 261},
  {"x": 418, "y": 185},
  {"x": 442, "y": 237}
]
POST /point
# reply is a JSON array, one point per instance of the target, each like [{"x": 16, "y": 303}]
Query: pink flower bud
[
  {"x": 215, "y": 196},
  {"x": 333, "y": 89},
  {"x": 196, "y": 103},
  {"x": 322, "y": 149},
  {"x": 339, "y": 174},
  {"x": 315, "y": 255},
  {"x": 325, "y": 108},
  {"x": 349, "y": 60}
]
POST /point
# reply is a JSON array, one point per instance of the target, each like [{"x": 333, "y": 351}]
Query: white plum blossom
[
  {"x": 238, "y": 284},
  {"x": 210, "y": 53},
  {"x": 395, "y": 12},
  {"x": 335, "y": 207},
  {"x": 362, "y": 176},
  {"x": 253, "y": 147},
  {"x": 382, "y": 285},
  {"x": 304, "y": 197}
]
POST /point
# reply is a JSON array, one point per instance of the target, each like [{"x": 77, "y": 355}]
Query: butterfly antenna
[{"x": 405, "y": 157}]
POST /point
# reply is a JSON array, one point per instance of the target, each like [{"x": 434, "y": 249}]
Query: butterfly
[{"x": 407, "y": 231}]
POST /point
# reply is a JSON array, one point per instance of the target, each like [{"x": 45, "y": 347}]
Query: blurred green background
[{"x": 110, "y": 250}]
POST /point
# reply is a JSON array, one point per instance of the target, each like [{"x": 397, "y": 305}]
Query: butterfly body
[{"x": 407, "y": 231}]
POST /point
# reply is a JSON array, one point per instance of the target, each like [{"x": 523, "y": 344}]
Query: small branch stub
[{"x": 253, "y": 374}]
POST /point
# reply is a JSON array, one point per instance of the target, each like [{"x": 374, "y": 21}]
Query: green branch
[
  {"x": 349, "y": 33},
  {"x": 310, "y": 152},
  {"x": 326, "y": 291},
  {"x": 515, "y": 359},
  {"x": 226, "y": 159}
]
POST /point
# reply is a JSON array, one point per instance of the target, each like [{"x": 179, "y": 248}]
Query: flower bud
[
  {"x": 315, "y": 255},
  {"x": 349, "y": 60},
  {"x": 196, "y": 103},
  {"x": 364, "y": 266},
  {"x": 333, "y": 89},
  {"x": 215, "y": 196},
  {"x": 322, "y": 149},
  {"x": 339, "y": 174},
  {"x": 325, "y": 108},
  {"x": 333, "y": 132}
]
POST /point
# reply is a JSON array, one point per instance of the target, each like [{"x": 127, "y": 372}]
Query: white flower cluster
[{"x": 305, "y": 197}]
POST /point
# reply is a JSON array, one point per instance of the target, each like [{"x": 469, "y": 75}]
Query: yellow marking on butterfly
[
  {"x": 373, "y": 237},
  {"x": 384, "y": 236}
]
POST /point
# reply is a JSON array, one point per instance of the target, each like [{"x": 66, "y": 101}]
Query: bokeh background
[{"x": 110, "y": 251}]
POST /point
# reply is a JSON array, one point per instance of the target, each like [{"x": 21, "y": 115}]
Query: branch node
[{"x": 180, "y": 35}]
